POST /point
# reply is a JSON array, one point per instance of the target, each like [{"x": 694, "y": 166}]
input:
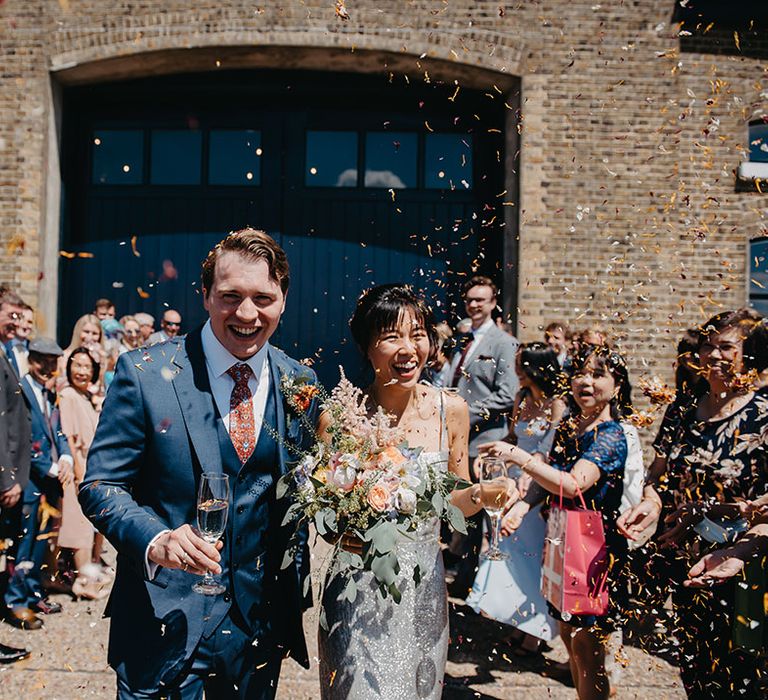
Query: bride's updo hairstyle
[{"x": 381, "y": 309}]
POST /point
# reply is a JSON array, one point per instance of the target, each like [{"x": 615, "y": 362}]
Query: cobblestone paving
[{"x": 69, "y": 661}]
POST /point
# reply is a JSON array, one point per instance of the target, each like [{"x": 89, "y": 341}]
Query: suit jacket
[
  {"x": 15, "y": 429},
  {"x": 17, "y": 353},
  {"x": 489, "y": 385},
  {"x": 45, "y": 439},
  {"x": 159, "y": 429}
]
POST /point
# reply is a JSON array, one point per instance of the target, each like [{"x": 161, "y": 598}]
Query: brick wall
[{"x": 628, "y": 212}]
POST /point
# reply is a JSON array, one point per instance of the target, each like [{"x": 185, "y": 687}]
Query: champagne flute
[
  {"x": 212, "y": 507},
  {"x": 494, "y": 495}
]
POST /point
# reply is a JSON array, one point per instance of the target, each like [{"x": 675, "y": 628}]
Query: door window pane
[
  {"x": 331, "y": 159},
  {"x": 176, "y": 157},
  {"x": 448, "y": 161},
  {"x": 758, "y": 275},
  {"x": 118, "y": 157},
  {"x": 234, "y": 157},
  {"x": 758, "y": 142},
  {"x": 390, "y": 159}
]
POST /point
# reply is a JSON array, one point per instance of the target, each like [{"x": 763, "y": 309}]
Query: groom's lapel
[
  {"x": 277, "y": 368},
  {"x": 193, "y": 391}
]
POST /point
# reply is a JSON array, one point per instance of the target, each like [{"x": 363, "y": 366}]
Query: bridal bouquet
[{"x": 361, "y": 483}]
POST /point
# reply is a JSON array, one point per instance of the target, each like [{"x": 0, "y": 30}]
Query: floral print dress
[
  {"x": 721, "y": 461},
  {"x": 716, "y": 461}
]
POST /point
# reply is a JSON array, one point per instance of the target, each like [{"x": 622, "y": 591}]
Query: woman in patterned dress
[{"x": 717, "y": 467}]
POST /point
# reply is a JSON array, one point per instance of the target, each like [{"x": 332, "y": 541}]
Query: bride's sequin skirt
[{"x": 378, "y": 649}]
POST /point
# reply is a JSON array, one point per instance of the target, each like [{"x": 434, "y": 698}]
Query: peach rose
[
  {"x": 379, "y": 498},
  {"x": 391, "y": 455}
]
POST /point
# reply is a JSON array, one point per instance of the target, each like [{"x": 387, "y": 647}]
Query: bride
[{"x": 373, "y": 647}]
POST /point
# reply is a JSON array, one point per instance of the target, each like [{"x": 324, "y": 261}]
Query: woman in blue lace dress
[
  {"x": 510, "y": 590},
  {"x": 588, "y": 455}
]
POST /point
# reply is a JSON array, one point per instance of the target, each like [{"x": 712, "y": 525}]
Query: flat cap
[{"x": 45, "y": 346}]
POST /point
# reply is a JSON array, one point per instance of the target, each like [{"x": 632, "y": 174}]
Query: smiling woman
[{"x": 245, "y": 279}]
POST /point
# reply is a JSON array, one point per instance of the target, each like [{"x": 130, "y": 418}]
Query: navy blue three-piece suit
[
  {"x": 158, "y": 432},
  {"x": 48, "y": 444}
]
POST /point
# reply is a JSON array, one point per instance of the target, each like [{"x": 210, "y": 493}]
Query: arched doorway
[{"x": 364, "y": 179}]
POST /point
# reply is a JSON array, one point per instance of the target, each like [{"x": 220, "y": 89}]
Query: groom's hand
[{"x": 184, "y": 549}]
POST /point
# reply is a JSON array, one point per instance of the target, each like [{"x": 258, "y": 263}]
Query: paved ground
[{"x": 69, "y": 663}]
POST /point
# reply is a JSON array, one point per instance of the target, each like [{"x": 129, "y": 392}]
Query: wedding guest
[
  {"x": 593, "y": 336},
  {"x": 483, "y": 374},
  {"x": 79, "y": 416},
  {"x": 556, "y": 336},
  {"x": 717, "y": 460},
  {"x": 113, "y": 339},
  {"x": 436, "y": 373},
  {"x": 510, "y": 591},
  {"x": 87, "y": 333},
  {"x": 131, "y": 337},
  {"x": 51, "y": 461},
  {"x": 14, "y": 447},
  {"x": 103, "y": 309},
  {"x": 146, "y": 326},
  {"x": 588, "y": 456},
  {"x": 721, "y": 565},
  {"x": 170, "y": 325},
  {"x": 17, "y": 349}
]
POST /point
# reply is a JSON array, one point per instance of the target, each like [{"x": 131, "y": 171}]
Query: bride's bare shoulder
[{"x": 454, "y": 404}]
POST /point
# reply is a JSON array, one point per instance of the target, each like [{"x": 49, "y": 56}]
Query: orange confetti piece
[
  {"x": 142, "y": 293},
  {"x": 67, "y": 255},
  {"x": 133, "y": 246}
]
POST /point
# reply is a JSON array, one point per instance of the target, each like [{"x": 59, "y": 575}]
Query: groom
[{"x": 207, "y": 402}]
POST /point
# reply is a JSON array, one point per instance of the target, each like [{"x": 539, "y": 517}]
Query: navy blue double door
[{"x": 361, "y": 181}]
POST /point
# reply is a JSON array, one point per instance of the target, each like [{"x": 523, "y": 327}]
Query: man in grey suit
[{"x": 483, "y": 373}]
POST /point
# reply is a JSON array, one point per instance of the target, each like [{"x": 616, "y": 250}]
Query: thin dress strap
[{"x": 442, "y": 419}]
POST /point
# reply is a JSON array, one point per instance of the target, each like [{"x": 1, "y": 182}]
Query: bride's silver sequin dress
[{"x": 377, "y": 649}]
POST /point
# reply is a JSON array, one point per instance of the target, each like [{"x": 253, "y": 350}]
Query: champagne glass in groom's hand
[{"x": 212, "y": 508}]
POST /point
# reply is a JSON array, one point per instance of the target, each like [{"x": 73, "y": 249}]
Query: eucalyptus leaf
[
  {"x": 329, "y": 517},
  {"x": 350, "y": 590},
  {"x": 320, "y": 523},
  {"x": 288, "y": 558},
  {"x": 383, "y": 536},
  {"x": 438, "y": 503},
  {"x": 394, "y": 591},
  {"x": 456, "y": 519},
  {"x": 283, "y": 484},
  {"x": 384, "y": 568}
]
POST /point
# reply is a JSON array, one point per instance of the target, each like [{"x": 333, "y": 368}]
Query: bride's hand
[{"x": 353, "y": 544}]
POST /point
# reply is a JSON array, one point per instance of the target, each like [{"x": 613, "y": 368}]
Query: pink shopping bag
[{"x": 575, "y": 566}]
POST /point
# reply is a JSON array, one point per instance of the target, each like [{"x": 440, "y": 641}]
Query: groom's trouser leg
[
  {"x": 227, "y": 665},
  {"x": 244, "y": 670},
  {"x": 191, "y": 688}
]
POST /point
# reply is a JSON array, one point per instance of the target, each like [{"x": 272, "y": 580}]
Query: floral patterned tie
[{"x": 241, "y": 424}]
